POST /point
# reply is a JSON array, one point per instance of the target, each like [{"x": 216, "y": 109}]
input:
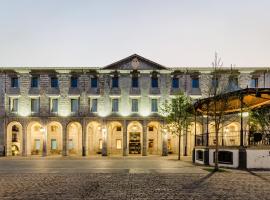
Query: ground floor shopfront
[{"x": 87, "y": 136}]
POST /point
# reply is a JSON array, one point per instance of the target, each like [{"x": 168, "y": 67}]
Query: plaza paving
[{"x": 125, "y": 178}]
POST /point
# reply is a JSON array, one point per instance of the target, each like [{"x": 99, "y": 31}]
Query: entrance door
[{"x": 134, "y": 143}]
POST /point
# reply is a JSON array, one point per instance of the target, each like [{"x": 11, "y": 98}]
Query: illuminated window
[
  {"x": 74, "y": 105},
  {"x": 14, "y": 104},
  {"x": 54, "y": 105},
  {"x": 70, "y": 144},
  {"x": 134, "y": 105},
  {"x": 154, "y": 105},
  {"x": 35, "y": 105},
  {"x": 37, "y": 144},
  {"x": 53, "y": 144},
  {"x": 115, "y": 105},
  {"x": 118, "y": 144},
  {"x": 94, "y": 104},
  {"x": 100, "y": 143}
]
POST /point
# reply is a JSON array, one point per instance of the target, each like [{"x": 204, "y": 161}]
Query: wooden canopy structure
[{"x": 234, "y": 102}]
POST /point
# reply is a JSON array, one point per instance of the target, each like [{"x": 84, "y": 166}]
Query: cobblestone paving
[{"x": 226, "y": 185}]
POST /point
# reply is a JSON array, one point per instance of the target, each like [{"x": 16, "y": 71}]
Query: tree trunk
[
  {"x": 179, "y": 141},
  {"x": 216, "y": 151}
]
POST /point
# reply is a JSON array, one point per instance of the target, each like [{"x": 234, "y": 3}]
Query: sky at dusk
[{"x": 174, "y": 33}]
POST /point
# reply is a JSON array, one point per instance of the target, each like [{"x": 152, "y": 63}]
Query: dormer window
[
  {"x": 175, "y": 82},
  {"x": 94, "y": 82},
  {"x": 74, "y": 82},
  {"x": 14, "y": 82},
  {"x": 215, "y": 82},
  {"x": 233, "y": 82},
  {"x": 115, "y": 82},
  {"x": 54, "y": 82}
]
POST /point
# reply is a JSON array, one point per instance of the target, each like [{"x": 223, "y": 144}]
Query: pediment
[{"x": 135, "y": 62}]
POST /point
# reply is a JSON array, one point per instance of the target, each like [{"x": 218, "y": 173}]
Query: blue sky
[{"x": 173, "y": 33}]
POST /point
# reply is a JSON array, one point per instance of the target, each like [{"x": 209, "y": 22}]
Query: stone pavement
[{"x": 132, "y": 178}]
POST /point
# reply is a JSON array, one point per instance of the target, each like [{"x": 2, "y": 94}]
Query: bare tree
[{"x": 177, "y": 115}]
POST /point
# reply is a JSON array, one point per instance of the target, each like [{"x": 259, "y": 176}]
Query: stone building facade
[{"x": 113, "y": 110}]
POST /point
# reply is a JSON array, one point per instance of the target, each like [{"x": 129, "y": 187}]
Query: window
[
  {"x": 54, "y": 82},
  {"x": 154, "y": 82},
  {"x": 195, "y": 83},
  {"x": 118, "y": 144},
  {"x": 134, "y": 105},
  {"x": 115, "y": 106},
  {"x": 94, "y": 82},
  {"x": 115, "y": 82},
  {"x": 54, "y": 105},
  {"x": 150, "y": 128},
  {"x": 100, "y": 144},
  {"x": 150, "y": 143},
  {"x": 154, "y": 105},
  {"x": 199, "y": 155},
  {"x": 34, "y": 82},
  {"x": 135, "y": 82},
  {"x": 14, "y": 105},
  {"x": 254, "y": 82},
  {"x": 37, "y": 144},
  {"x": 175, "y": 82},
  {"x": 70, "y": 144},
  {"x": 14, "y": 137},
  {"x": 74, "y": 82},
  {"x": 94, "y": 104},
  {"x": 118, "y": 128},
  {"x": 34, "y": 105},
  {"x": 14, "y": 82},
  {"x": 74, "y": 105},
  {"x": 53, "y": 144}
]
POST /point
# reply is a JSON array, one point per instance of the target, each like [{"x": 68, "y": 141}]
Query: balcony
[
  {"x": 195, "y": 91},
  {"x": 115, "y": 91},
  {"x": 53, "y": 91},
  {"x": 93, "y": 91},
  {"x": 176, "y": 91},
  {"x": 74, "y": 91},
  {"x": 13, "y": 91},
  {"x": 154, "y": 91},
  {"x": 135, "y": 91},
  {"x": 34, "y": 92}
]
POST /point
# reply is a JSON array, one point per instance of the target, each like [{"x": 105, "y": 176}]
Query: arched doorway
[
  {"x": 115, "y": 138},
  {"x": 54, "y": 141},
  {"x": 94, "y": 138},
  {"x": 154, "y": 138},
  {"x": 134, "y": 136},
  {"x": 35, "y": 139},
  {"x": 74, "y": 138},
  {"x": 14, "y": 139}
]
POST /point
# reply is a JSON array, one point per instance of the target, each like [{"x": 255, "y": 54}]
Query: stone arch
[
  {"x": 154, "y": 138},
  {"x": 94, "y": 138},
  {"x": 115, "y": 138},
  {"x": 35, "y": 138},
  {"x": 134, "y": 137},
  {"x": 54, "y": 138},
  {"x": 14, "y": 139},
  {"x": 74, "y": 138}
]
